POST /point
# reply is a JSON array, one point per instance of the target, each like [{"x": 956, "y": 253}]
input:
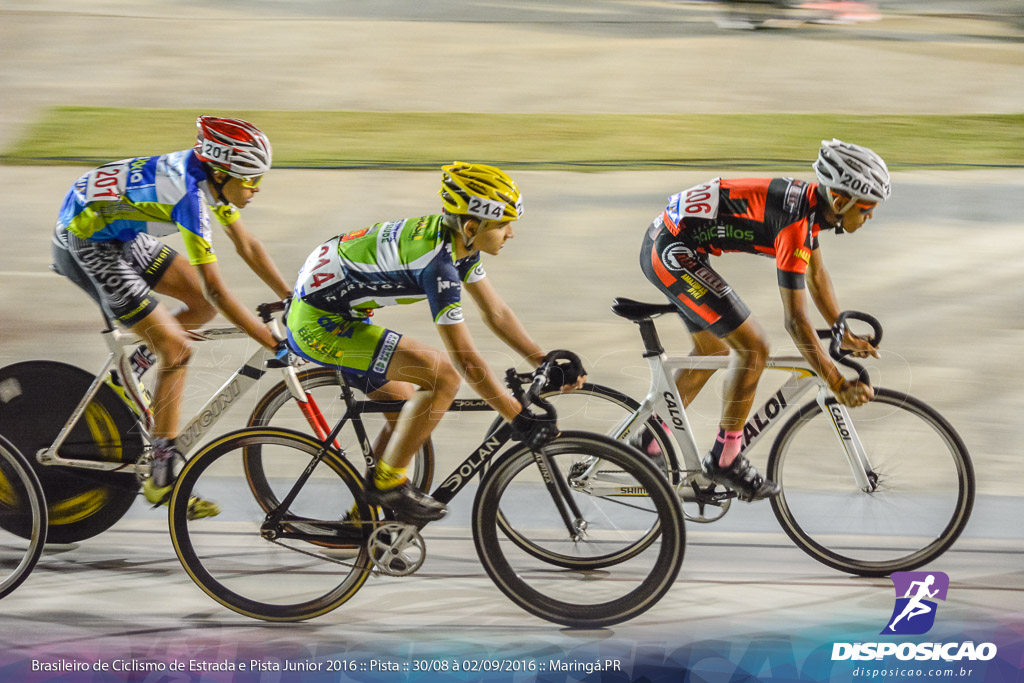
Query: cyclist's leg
[
  {"x": 750, "y": 345},
  {"x": 690, "y": 382},
  {"x": 376, "y": 359},
  {"x": 392, "y": 391},
  {"x": 437, "y": 382},
  {"x": 166, "y": 337},
  {"x": 120, "y": 276},
  {"x": 181, "y": 281},
  {"x": 711, "y": 308}
]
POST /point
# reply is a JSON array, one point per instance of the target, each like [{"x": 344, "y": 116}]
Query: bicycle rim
[
  {"x": 273, "y": 579},
  {"x": 277, "y": 408},
  {"x": 580, "y": 596},
  {"x": 22, "y": 518},
  {"x": 919, "y": 506}
]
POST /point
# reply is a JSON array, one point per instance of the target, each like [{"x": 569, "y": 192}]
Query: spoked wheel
[
  {"x": 310, "y": 563},
  {"x": 604, "y": 579},
  {"x": 595, "y": 408},
  {"x": 39, "y": 397},
  {"x": 920, "y": 493},
  {"x": 277, "y": 408},
  {"x": 22, "y": 518}
]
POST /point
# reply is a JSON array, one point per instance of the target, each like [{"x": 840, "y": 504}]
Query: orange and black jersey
[{"x": 775, "y": 217}]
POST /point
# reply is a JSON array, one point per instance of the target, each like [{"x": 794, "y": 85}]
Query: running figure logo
[{"x": 914, "y": 612}]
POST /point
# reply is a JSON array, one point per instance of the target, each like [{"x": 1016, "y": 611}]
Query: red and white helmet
[{"x": 234, "y": 146}]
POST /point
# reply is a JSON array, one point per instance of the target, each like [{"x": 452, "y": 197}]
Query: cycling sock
[
  {"x": 727, "y": 446},
  {"x": 387, "y": 476},
  {"x": 143, "y": 359}
]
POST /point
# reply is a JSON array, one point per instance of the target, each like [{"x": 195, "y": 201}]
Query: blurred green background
[{"x": 349, "y": 139}]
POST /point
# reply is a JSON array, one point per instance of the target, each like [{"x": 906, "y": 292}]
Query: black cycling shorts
[
  {"x": 119, "y": 276},
  {"x": 705, "y": 301}
]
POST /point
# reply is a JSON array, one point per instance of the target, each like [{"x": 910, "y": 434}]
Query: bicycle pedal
[{"x": 397, "y": 549}]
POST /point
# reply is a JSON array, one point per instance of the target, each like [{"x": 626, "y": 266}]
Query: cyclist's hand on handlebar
[
  {"x": 534, "y": 430},
  {"x": 281, "y": 351},
  {"x": 565, "y": 376},
  {"x": 853, "y": 394},
  {"x": 858, "y": 346}
]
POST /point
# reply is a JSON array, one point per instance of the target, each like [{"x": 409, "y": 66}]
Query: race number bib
[
  {"x": 105, "y": 183},
  {"x": 321, "y": 269},
  {"x": 700, "y": 201}
]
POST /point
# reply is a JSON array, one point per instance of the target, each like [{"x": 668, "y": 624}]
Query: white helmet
[
  {"x": 853, "y": 170},
  {"x": 234, "y": 146}
]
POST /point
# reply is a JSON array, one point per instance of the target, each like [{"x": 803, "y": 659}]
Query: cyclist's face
[
  {"x": 491, "y": 236},
  {"x": 857, "y": 215},
  {"x": 239, "y": 192}
]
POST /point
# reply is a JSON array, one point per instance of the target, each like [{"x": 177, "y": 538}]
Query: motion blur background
[
  {"x": 938, "y": 264},
  {"x": 932, "y": 264}
]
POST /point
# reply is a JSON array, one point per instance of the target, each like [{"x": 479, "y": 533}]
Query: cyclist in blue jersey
[
  {"x": 105, "y": 242},
  {"x": 398, "y": 262}
]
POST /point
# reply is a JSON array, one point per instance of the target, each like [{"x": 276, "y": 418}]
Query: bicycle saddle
[{"x": 636, "y": 310}]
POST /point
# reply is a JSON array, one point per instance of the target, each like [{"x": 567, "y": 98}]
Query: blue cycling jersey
[{"x": 154, "y": 195}]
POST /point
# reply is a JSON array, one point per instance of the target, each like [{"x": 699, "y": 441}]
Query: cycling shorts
[
  {"x": 119, "y": 276},
  {"x": 361, "y": 350},
  {"x": 705, "y": 301}
]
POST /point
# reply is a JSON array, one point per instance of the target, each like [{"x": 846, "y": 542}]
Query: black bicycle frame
[{"x": 460, "y": 476}]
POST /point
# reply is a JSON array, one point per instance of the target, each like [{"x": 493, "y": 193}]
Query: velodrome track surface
[
  {"x": 937, "y": 266},
  {"x": 936, "y": 277}
]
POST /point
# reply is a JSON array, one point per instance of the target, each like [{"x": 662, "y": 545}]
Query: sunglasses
[
  {"x": 251, "y": 183},
  {"x": 863, "y": 206}
]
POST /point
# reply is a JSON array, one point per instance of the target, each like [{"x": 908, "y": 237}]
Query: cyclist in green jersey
[{"x": 398, "y": 262}]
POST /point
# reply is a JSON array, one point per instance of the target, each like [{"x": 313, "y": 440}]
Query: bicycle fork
[
  {"x": 561, "y": 494},
  {"x": 863, "y": 474}
]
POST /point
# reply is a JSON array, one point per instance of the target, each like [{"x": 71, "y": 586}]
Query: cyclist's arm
[
  {"x": 216, "y": 292},
  {"x": 255, "y": 255},
  {"x": 799, "y": 326},
  {"x": 502, "y": 321},
  {"x": 819, "y": 283},
  {"x": 475, "y": 371}
]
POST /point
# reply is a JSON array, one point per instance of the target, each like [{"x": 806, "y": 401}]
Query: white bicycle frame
[
  {"x": 663, "y": 400},
  {"x": 117, "y": 340}
]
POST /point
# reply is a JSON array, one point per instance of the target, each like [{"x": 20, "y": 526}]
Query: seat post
[{"x": 652, "y": 344}]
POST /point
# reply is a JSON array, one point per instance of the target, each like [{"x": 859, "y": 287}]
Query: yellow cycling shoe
[
  {"x": 197, "y": 507},
  {"x": 114, "y": 382}
]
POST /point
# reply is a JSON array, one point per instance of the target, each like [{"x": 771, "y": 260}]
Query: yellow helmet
[{"x": 480, "y": 191}]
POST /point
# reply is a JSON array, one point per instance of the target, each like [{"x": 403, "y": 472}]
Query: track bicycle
[
  {"x": 888, "y": 486},
  {"x": 22, "y": 517},
  {"x": 90, "y": 447},
  {"x": 296, "y": 538}
]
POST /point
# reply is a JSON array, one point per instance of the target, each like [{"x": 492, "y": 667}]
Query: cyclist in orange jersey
[{"x": 775, "y": 217}]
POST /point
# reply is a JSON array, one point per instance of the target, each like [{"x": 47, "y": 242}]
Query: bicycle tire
[
  {"x": 903, "y": 523},
  {"x": 233, "y": 563},
  {"x": 602, "y": 410},
  {"x": 322, "y": 382},
  {"x": 23, "y": 518},
  {"x": 594, "y": 599},
  {"x": 40, "y": 397}
]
